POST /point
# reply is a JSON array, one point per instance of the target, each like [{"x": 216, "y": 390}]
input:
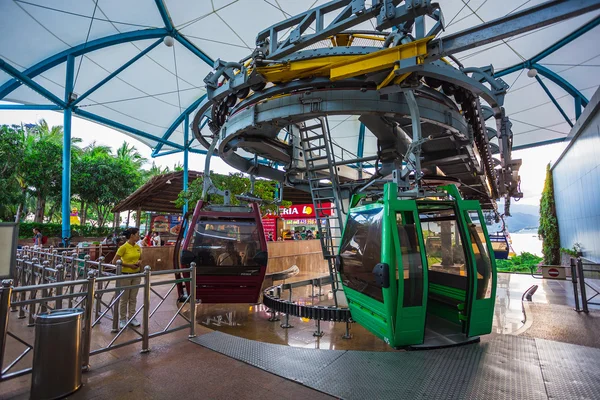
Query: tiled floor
[{"x": 176, "y": 366}]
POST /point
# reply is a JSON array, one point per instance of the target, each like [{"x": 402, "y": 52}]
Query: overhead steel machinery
[{"x": 427, "y": 113}]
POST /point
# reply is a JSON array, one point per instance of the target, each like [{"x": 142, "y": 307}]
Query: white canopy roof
[{"x": 148, "y": 98}]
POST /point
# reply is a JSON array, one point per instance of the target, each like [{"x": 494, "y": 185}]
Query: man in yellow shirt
[{"x": 129, "y": 254}]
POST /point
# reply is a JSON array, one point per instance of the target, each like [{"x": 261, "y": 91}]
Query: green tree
[
  {"x": 43, "y": 166},
  {"x": 11, "y": 194},
  {"x": 101, "y": 180},
  {"x": 82, "y": 178},
  {"x": 155, "y": 170},
  {"x": 130, "y": 155},
  {"x": 548, "y": 229},
  {"x": 237, "y": 184}
]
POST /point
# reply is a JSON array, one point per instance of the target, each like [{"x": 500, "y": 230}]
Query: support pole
[
  {"x": 574, "y": 280},
  {"x": 584, "y": 303},
  {"x": 186, "y": 134},
  {"x": 192, "y": 301},
  {"x": 66, "y": 170},
  {"x": 146, "y": 313},
  {"x": 5, "y": 293},
  {"x": 138, "y": 217},
  {"x": 88, "y": 310},
  {"x": 115, "y": 316}
]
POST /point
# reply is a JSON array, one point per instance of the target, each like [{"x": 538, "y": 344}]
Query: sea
[{"x": 526, "y": 240}]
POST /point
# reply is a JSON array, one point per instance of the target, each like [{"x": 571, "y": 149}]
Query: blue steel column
[
  {"x": 66, "y": 171},
  {"x": 186, "y": 134},
  {"x": 562, "y": 112},
  {"x": 361, "y": 142}
]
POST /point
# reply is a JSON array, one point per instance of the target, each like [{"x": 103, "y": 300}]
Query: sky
[{"x": 533, "y": 169}]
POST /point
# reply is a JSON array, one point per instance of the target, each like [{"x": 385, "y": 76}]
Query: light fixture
[
  {"x": 169, "y": 41},
  {"x": 532, "y": 73}
]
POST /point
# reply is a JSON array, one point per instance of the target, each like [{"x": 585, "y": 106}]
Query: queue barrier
[{"x": 41, "y": 288}]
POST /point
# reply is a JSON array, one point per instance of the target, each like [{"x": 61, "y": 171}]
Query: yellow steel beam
[
  {"x": 345, "y": 66},
  {"x": 372, "y": 37},
  {"x": 378, "y": 60},
  {"x": 300, "y": 69},
  {"x": 388, "y": 78}
]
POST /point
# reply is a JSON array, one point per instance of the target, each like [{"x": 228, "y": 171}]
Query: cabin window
[
  {"x": 443, "y": 243},
  {"x": 361, "y": 251},
  {"x": 412, "y": 267},
  {"x": 482, "y": 256},
  {"x": 225, "y": 242}
]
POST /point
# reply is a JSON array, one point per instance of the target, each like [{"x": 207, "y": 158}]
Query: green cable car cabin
[{"x": 409, "y": 267}]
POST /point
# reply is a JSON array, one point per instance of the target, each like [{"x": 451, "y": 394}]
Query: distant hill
[{"x": 523, "y": 216}]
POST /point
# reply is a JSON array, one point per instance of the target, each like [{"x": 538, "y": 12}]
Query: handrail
[{"x": 28, "y": 282}]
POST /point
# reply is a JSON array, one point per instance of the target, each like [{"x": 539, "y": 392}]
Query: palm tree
[
  {"x": 42, "y": 134},
  {"x": 130, "y": 154},
  {"x": 156, "y": 170}
]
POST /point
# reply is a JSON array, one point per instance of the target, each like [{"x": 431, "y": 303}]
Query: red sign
[
  {"x": 303, "y": 211},
  {"x": 270, "y": 227},
  {"x": 553, "y": 272}
]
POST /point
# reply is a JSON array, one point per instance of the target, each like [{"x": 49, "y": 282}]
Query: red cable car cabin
[{"x": 228, "y": 245}]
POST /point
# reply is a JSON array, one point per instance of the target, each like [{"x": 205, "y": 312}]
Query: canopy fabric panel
[{"x": 147, "y": 98}]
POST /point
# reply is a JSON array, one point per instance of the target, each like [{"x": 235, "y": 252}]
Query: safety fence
[
  {"x": 42, "y": 253},
  {"x": 51, "y": 281},
  {"x": 578, "y": 270}
]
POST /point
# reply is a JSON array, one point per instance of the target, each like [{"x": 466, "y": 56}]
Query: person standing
[
  {"x": 37, "y": 237},
  {"x": 130, "y": 254}
]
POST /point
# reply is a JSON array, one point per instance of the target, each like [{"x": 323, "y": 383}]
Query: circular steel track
[{"x": 255, "y": 128}]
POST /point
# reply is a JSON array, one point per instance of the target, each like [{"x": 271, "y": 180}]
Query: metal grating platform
[{"x": 506, "y": 367}]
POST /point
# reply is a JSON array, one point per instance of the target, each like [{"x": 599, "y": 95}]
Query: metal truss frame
[
  {"x": 388, "y": 13},
  {"x": 534, "y": 63},
  {"x": 69, "y": 105}
]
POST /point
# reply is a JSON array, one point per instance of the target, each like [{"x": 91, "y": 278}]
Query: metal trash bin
[{"x": 57, "y": 354}]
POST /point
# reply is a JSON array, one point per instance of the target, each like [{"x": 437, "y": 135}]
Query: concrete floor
[{"x": 176, "y": 366}]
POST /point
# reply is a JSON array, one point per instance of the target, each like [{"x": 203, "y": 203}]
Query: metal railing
[
  {"x": 577, "y": 267},
  {"x": 40, "y": 287}
]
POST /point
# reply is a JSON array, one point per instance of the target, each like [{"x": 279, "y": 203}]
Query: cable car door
[
  {"x": 411, "y": 277},
  {"x": 365, "y": 270},
  {"x": 483, "y": 266}
]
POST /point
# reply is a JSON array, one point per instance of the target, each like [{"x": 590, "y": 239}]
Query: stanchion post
[
  {"x": 115, "y": 320},
  {"x": 5, "y": 293},
  {"x": 60, "y": 277},
  {"x": 192, "y": 300},
  {"x": 574, "y": 280},
  {"x": 584, "y": 303},
  {"x": 146, "y": 311},
  {"x": 86, "y": 259},
  {"x": 347, "y": 335},
  {"x": 44, "y": 277},
  {"x": 318, "y": 332},
  {"x": 31, "y": 308},
  {"x": 287, "y": 325},
  {"x": 99, "y": 295},
  {"x": 87, "y": 337}
]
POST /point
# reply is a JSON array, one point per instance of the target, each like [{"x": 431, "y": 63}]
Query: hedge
[{"x": 55, "y": 230}]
